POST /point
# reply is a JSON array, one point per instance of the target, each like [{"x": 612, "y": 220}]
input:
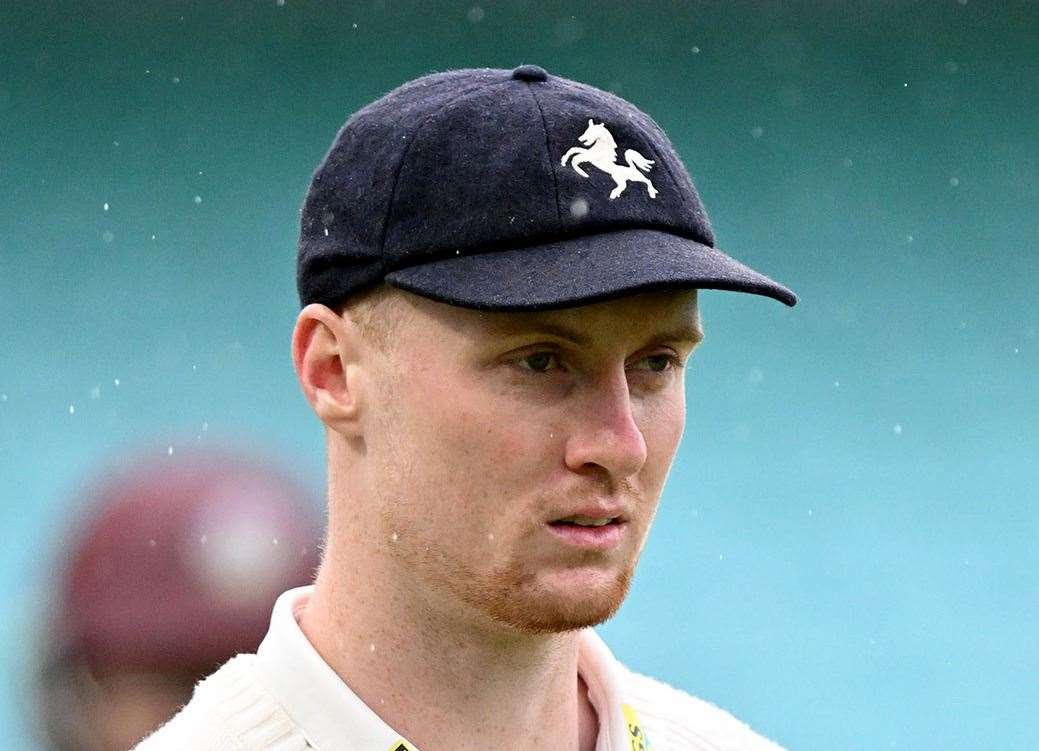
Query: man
[{"x": 497, "y": 307}]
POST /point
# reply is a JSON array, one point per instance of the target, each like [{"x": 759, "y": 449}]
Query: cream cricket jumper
[{"x": 286, "y": 698}]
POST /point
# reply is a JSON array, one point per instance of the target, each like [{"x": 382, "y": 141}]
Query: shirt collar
[{"x": 331, "y": 716}]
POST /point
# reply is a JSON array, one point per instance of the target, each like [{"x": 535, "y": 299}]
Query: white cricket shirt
[{"x": 287, "y": 698}]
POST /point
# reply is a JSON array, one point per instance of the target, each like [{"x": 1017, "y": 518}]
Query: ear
[{"x": 325, "y": 354}]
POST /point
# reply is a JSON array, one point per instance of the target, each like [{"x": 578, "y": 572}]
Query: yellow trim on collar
[{"x": 637, "y": 738}]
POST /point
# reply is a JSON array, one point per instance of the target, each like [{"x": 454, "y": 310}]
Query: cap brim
[{"x": 582, "y": 270}]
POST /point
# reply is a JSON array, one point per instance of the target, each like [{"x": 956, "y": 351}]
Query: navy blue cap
[{"x": 508, "y": 190}]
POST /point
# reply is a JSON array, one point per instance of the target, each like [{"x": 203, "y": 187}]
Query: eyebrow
[{"x": 686, "y": 333}]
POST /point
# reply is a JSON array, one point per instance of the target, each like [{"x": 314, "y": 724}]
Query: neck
[{"x": 443, "y": 683}]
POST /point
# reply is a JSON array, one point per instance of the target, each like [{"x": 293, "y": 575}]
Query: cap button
[{"x": 529, "y": 73}]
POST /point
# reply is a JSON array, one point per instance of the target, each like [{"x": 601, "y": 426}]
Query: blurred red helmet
[{"x": 178, "y": 560}]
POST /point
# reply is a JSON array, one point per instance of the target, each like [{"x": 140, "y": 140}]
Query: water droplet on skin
[
  {"x": 394, "y": 537},
  {"x": 490, "y": 536},
  {"x": 371, "y": 647}
]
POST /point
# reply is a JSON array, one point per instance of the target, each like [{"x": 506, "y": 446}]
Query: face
[{"x": 518, "y": 458}]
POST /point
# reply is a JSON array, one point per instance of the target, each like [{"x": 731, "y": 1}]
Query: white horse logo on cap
[{"x": 602, "y": 153}]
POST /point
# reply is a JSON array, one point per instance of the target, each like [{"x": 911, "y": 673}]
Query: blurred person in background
[{"x": 170, "y": 569}]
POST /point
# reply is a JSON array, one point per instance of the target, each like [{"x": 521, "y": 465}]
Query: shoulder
[
  {"x": 674, "y": 719},
  {"x": 229, "y": 711}
]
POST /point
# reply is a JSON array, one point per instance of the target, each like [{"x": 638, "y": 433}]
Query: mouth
[{"x": 590, "y": 532}]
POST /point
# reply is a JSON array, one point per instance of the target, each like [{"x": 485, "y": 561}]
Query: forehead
[{"x": 670, "y": 313}]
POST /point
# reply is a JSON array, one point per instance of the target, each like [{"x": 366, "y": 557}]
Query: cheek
[
  {"x": 662, "y": 423},
  {"x": 460, "y": 451}
]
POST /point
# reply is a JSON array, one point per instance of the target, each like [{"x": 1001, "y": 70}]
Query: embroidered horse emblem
[{"x": 602, "y": 153}]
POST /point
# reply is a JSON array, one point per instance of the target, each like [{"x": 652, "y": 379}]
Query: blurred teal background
[{"x": 846, "y": 554}]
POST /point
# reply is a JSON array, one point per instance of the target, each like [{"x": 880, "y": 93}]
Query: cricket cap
[{"x": 500, "y": 189}]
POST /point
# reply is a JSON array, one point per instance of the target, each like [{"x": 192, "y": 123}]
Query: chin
[{"x": 567, "y": 603}]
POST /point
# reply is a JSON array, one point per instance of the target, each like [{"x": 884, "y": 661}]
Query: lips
[
  {"x": 590, "y": 515},
  {"x": 595, "y": 526},
  {"x": 601, "y": 537}
]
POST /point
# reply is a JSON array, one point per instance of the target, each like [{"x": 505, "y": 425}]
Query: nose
[{"x": 604, "y": 431}]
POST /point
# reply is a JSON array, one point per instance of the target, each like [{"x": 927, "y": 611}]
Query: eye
[
  {"x": 538, "y": 361},
  {"x": 666, "y": 363}
]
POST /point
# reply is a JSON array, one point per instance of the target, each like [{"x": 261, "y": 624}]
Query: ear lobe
[{"x": 324, "y": 355}]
